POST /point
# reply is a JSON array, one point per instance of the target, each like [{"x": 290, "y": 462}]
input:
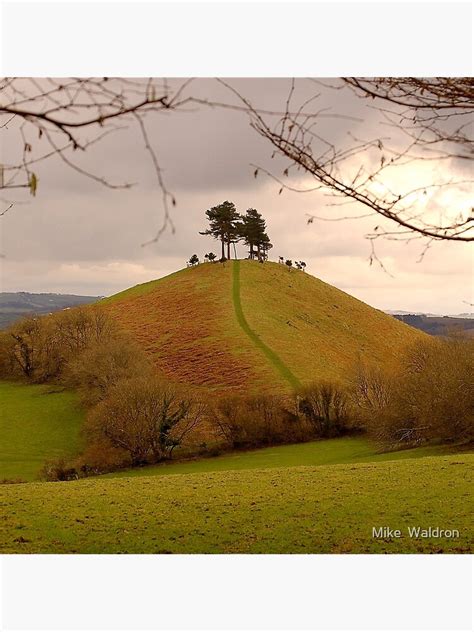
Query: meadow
[
  {"x": 38, "y": 423},
  {"x": 312, "y": 453},
  {"x": 321, "y": 509}
]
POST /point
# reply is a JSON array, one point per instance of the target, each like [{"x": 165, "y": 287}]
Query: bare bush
[
  {"x": 58, "y": 470},
  {"x": 439, "y": 388},
  {"x": 430, "y": 397},
  {"x": 373, "y": 397},
  {"x": 8, "y": 366},
  {"x": 101, "y": 366},
  {"x": 36, "y": 350},
  {"x": 40, "y": 347},
  {"x": 81, "y": 327},
  {"x": 256, "y": 421},
  {"x": 325, "y": 406},
  {"x": 146, "y": 418}
]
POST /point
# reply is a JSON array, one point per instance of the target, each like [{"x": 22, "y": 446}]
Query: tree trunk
[
  {"x": 222, "y": 243},
  {"x": 228, "y": 249}
]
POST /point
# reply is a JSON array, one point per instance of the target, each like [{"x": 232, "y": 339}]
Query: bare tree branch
[{"x": 430, "y": 107}]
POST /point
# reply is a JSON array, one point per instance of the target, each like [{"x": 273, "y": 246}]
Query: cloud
[{"x": 77, "y": 236}]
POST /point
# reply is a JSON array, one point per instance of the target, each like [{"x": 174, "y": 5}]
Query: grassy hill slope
[
  {"x": 244, "y": 326},
  {"x": 325, "y": 509},
  {"x": 36, "y": 425},
  {"x": 186, "y": 322}
]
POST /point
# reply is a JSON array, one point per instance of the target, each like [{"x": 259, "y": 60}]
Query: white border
[
  {"x": 237, "y": 39},
  {"x": 237, "y": 592}
]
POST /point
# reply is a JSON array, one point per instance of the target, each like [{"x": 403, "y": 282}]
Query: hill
[
  {"x": 315, "y": 509},
  {"x": 14, "y": 305},
  {"x": 251, "y": 327}
]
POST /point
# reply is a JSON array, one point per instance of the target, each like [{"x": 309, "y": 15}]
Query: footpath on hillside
[{"x": 271, "y": 356}]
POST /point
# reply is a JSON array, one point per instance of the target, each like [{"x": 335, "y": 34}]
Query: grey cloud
[{"x": 77, "y": 236}]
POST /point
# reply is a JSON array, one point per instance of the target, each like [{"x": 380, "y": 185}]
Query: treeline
[{"x": 135, "y": 418}]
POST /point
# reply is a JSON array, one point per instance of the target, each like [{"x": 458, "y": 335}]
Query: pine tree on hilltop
[
  {"x": 265, "y": 246},
  {"x": 224, "y": 224},
  {"x": 254, "y": 235}
]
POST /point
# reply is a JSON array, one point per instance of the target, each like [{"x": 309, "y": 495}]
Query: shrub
[
  {"x": 373, "y": 398},
  {"x": 101, "y": 366},
  {"x": 256, "y": 421},
  {"x": 146, "y": 418},
  {"x": 58, "y": 470},
  {"x": 8, "y": 365},
  {"x": 100, "y": 456},
  {"x": 438, "y": 389},
  {"x": 83, "y": 326},
  {"x": 325, "y": 406},
  {"x": 39, "y": 347},
  {"x": 430, "y": 396},
  {"x": 33, "y": 351}
]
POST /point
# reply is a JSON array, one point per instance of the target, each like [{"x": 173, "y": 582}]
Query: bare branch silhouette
[
  {"x": 434, "y": 115},
  {"x": 66, "y": 117}
]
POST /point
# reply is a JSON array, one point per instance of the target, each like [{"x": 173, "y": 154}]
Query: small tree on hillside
[
  {"x": 210, "y": 257},
  {"x": 193, "y": 261},
  {"x": 289, "y": 264}
]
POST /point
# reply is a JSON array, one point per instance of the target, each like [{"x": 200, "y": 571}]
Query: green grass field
[
  {"x": 327, "y": 452},
  {"x": 36, "y": 425},
  {"x": 322, "y": 496},
  {"x": 323, "y": 509}
]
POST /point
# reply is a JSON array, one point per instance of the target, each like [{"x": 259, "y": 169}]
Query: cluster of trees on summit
[{"x": 230, "y": 227}]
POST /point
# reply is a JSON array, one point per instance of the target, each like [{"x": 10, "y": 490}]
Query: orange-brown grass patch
[{"x": 186, "y": 323}]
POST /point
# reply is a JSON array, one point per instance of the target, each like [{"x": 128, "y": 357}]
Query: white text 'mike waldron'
[{"x": 414, "y": 532}]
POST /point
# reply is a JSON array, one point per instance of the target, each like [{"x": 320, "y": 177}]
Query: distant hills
[
  {"x": 14, "y": 305},
  {"x": 438, "y": 325},
  {"x": 251, "y": 327},
  {"x": 401, "y": 312}
]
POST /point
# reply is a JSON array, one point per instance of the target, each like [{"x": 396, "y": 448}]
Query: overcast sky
[{"x": 78, "y": 237}]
